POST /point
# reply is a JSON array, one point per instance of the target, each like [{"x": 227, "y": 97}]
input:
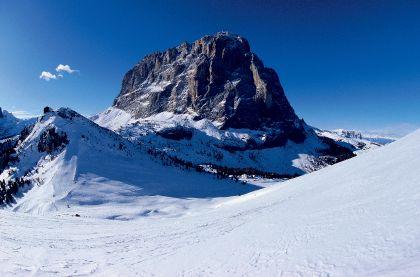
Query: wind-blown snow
[{"x": 360, "y": 217}]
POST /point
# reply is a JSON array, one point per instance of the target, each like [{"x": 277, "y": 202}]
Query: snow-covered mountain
[
  {"x": 356, "y": 218},
  {"x": 235, "y": 151},
  {"x": 10, "y": 125},
  {"x": 65, "y": 163},
  {"x": 214, "y": 103},
  {"x": 355, "y": 140},
  {"x": 149, "y": 187}
]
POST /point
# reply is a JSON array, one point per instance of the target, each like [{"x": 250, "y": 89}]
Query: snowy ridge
[
  {"x": 356, "y": 218},
  {"x": 97, "y": 171}
]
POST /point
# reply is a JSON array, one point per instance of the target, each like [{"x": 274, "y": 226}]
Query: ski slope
[{"x": 360, "y": 217}]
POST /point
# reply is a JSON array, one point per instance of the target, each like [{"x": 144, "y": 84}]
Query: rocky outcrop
[
  {"x": 51, "y": 141},
  {"x": 216, "y": 77},
  {"x": 176, "y": 133}
]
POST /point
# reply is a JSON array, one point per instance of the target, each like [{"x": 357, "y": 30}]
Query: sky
[{"x": 343, "y": 64}]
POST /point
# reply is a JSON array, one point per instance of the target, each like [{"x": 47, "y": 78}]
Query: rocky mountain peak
[{"x": 217, "y": 77}]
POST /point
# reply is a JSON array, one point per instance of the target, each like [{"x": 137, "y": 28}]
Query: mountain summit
[
  {"x": 217, "y": 77},
  {"x": 213, "y": 103}
]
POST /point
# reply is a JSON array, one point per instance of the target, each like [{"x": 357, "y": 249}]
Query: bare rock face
[
  {"x": 216, "y": 77},
  {"x": 51, "y": 141}
]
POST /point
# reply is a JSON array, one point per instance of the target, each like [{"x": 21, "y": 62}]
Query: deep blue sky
[{"x": 349, "y": 64}]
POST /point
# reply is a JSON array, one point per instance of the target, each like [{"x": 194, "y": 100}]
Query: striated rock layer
[{"x": 216, "y": 77}]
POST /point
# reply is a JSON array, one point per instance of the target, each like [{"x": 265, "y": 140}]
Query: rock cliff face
[
  {"x": 216, "y": 77},
  {"x": 213, "y": 103}
]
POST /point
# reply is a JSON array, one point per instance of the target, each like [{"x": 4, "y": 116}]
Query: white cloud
[
  {"x": 65, "y": 68},
  {"x": 47, "y": 76}
]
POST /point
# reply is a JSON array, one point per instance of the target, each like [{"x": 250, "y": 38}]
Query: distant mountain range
[
  {"x": 355, "y": 140},
  {"x": 10, "y": 125}
]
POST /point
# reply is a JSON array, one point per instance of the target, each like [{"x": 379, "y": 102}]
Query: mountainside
[
  {"x": 234, "y": 151},
  {"x": 356, "y": 218},
  {"x": 65, "y": 163},
  {"x": 10, "y": 125},
  {"x": 213, "y": 103}
]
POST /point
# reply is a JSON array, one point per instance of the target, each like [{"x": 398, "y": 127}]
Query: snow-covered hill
[
  {"x": 68, "y": 164},
  {"x": 360, "y": 217},
  {"x": 236, "y": 151}
]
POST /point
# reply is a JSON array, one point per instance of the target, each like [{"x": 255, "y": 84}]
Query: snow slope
[
  {"x": 100, "y": 174},
  {"x": 209, "y": 145},
  {"x": 360, "y": 217}
]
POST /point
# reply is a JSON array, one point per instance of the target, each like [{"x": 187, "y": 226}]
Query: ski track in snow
[{"x": 360, "y": 217}]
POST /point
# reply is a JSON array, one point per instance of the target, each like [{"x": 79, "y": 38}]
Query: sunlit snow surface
[
  {"x": 360, "y": 217},
  {"x": 210, "y": 145},
  {"x": 100, "y": 174}
]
